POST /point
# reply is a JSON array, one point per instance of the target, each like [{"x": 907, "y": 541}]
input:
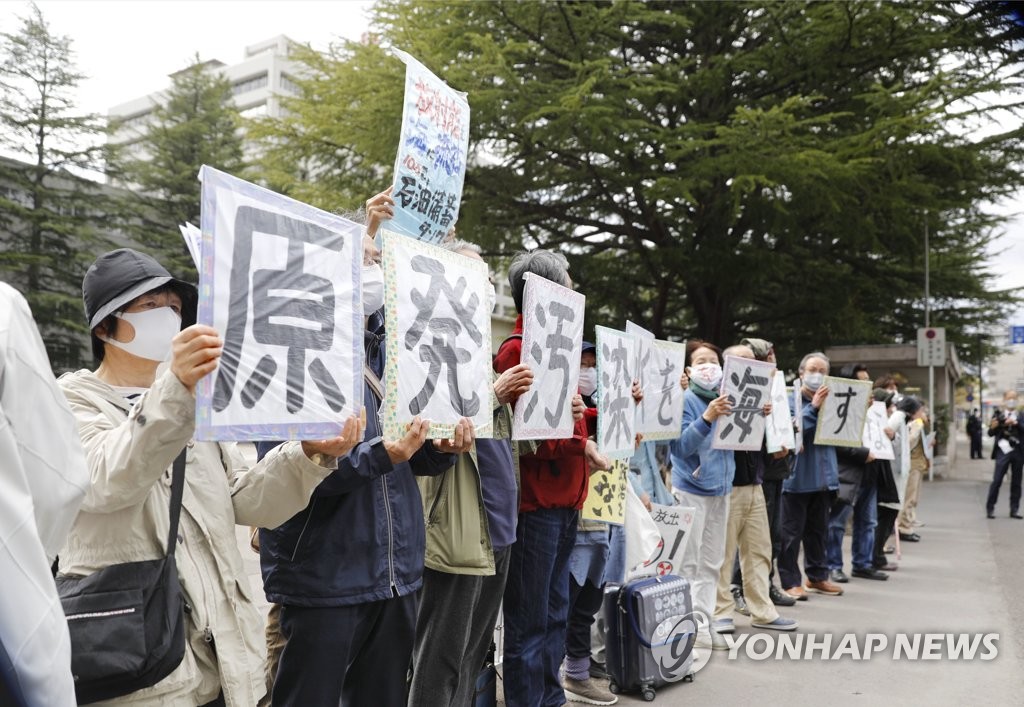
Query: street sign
[
  {"x": 1017, "y": 335},
  {"x": 931, "y": 346},
  {"x": 970, "y": 398}
]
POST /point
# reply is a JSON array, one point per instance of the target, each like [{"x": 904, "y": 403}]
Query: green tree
[
  {"x": 49, "y": 212},
  {"x": 196, "y": 123},
  {"x": 710, "y": 169}
]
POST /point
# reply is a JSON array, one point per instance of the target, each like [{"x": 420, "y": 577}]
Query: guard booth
[{"x": 901, "y": 361}]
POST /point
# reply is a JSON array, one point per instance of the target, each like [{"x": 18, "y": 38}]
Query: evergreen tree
[
  {"x": 50, "y": 215},
  {"x": 196, "y": 124}
]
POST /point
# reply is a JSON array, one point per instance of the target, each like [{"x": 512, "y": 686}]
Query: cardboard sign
[
  {"x": 747, "y": 382},
  {"x": 779, "y": 425},
  {"x": 875, "y": 439},
  {"x": 616, "y": 408},
  {"x": 281, "y": 281},
  {"x": 841, "y": 417},
  {"x": 606, "y": 495},
  {"x": 438, "y": 339},
  {"x": 552, "y": 345},
  {"x": 431, "y": 164}
]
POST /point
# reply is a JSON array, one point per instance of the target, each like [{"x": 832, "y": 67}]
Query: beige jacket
[{"x": 125, "y": 516}]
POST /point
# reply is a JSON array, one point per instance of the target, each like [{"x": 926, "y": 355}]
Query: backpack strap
[{"x": 177, "y": 491}]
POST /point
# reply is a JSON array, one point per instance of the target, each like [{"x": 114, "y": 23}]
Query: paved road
[{"x": 963, "y": 577}]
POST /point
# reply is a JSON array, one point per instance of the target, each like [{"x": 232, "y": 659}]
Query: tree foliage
[
  {"x": 711, "y": 169},
  {"x": 195, "y": 123},
  {"x": 50, "y": 215}
]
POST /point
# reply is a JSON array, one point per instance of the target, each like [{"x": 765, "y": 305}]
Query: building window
[
  {"x": 250, "y": 84},
  {"x": 289, "y": 86}
]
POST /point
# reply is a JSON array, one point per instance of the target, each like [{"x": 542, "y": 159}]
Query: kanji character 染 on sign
[
  {"x": 616, "y": 418},
  {"x": 439, "y": 335},
  {"x": 281, "y": 279}
]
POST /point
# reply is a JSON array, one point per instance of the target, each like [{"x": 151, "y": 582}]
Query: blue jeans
[
  {"x": 536, "y": 607},
  {"x": 865, "y": 518}
]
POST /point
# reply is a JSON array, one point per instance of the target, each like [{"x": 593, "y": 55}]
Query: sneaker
[
  {"x": 779, "y": 597},
  {"x": 722, "y": 626},
  {"x": 589, "y": 691},
  {"x": 869, "y": 573},
  {"x": 779, "y": 624},
  {"x": 797, "y": 593},
  {"x": 838, "y": 576},
  {"x": 1016, "y": 515},
  {"x": 740, "y": 604},
  {"x": 824, "y": 587},
  {"x": 718, "y": 642}
]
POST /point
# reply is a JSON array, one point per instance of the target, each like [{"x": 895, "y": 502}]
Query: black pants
[
  {"x": 976, "y": 445},
  {"x": 346, "y": 655},
  {"x": 804, "y": 520},
  {"x": 886, "y": 522},
  {"x": 584, "y": 603},
  {"x": 773, "y": 504},
  {"x": 1014, "y": 461}
]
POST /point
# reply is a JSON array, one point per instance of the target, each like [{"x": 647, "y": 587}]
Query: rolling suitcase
[{"x": 650, "y": 634}]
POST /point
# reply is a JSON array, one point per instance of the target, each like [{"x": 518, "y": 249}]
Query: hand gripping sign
[
  {"x": 438, "y": 330},
  {"x": 281, "y": 281}
]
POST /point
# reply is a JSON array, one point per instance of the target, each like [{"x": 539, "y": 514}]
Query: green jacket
[{"x": 458, "y": 541}]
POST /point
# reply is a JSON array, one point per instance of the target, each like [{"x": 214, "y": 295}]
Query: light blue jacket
[
  {"x": 646, "y": 475},
  {"x": 816, "y": 468},
  {"x": 696, "y": 467}
]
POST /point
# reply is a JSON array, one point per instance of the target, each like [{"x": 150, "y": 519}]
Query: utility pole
[{"x": 927, "y": 323}]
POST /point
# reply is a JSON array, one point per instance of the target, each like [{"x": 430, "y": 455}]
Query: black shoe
[
  {"x": 869, "y": 573},
  {"x": 739, "y": 602},
  {"x": 992, "y": 514},
  {"x": 1017, "y": 515},
  {"x": 910, "y": 537},
  {"x": 598, "y": 670},
  {"x": 838, "y": 576},
  {"x": 779, "y": 597}
]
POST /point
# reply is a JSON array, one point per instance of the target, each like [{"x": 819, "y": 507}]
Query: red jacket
[{"x": 556, "y": 476}]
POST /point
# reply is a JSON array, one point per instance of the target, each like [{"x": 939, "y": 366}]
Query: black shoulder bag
[{"x": 127, "y": 621}]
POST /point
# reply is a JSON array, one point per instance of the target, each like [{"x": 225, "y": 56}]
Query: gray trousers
[{"x": 454, "y": 629}]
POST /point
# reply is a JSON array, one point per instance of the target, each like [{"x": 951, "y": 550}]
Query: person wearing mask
[
  {"x": 747, "y": 533},
  {"x": 807, "y": 493},
  {"x": 1009, "y": 435},
  {"x": 43, "y": 479},
  {"x": 135, "y": 415},
  {"x": 702, "y": 477},
  {"x": 347, "y": 568},
  {"x": 553, "y": 486},
  {"x": 858, "y": 494},
  {"x": 470, "y": 512}
]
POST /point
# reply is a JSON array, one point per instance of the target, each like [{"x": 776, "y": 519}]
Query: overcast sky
[{"x": 127, "y": 48}]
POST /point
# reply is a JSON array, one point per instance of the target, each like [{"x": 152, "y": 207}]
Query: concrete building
[{"x": 257, "y": 82}]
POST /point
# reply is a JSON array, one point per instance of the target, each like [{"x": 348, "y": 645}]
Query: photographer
[{"x": 1007, "y": 430}]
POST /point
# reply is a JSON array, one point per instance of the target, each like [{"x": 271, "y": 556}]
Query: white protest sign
[
  {"x": 438, "y": 339},
  {"x": 841, "y": 417},
  {"x": 875, "y": 439},
  {"x": 747, "y": 382},
  {"x": 674, "y": 522},
  {"x": 928, "y": 440},
  {"x": 431, "y": 164},
  {"x": 281, "y": 282},
  {"x": 193, "y": 241},
  {"x": 647, "y": 374},
  {"x": 779, "y": 425},
  {"x": 552, "y": 345},
  {"x": 616, "y": 414},
  {"x": 666, "y": 391}
]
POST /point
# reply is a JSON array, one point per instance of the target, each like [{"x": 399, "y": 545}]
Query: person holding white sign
[
  {"x": 807, "y": 493},
  {"x": 702, "y": 477},
  {"x": 136, "y": 414},
  {"x": 554, "y": 477}
]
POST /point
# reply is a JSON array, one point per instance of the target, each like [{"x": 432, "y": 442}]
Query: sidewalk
[{"x": 963, "y": 577}]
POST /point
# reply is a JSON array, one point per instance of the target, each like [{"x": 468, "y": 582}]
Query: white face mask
[
  {"x": 491, "y": 298},
  {"x": 707, "y": 375},
  {"x": 154, "y": 329},
  {"x": 373, "y": 289},
  {"x": 588, "y": 380},
  {"x": 813, "y": 381}
]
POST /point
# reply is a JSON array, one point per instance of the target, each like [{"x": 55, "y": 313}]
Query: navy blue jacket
[{"x": 361, "y": 538}]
